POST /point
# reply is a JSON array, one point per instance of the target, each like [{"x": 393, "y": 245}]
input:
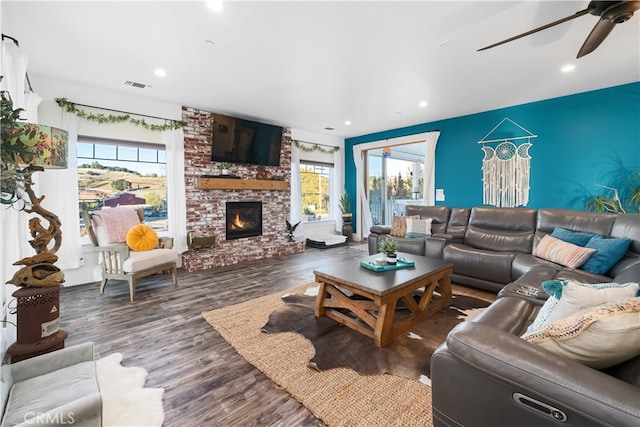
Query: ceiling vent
[{"x": 136, "y": 84}]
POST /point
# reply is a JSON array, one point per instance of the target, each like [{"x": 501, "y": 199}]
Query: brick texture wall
[{"x": 206, "y": 208}]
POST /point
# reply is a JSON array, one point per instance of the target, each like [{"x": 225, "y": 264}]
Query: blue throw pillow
[
  {"x": 416, "y": 235},
  {"x": 576, "y": 237},
  {"x": 608, "y": 253}
]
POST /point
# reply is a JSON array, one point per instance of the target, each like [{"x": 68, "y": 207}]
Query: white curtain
[
  {"x": 337, "y": 188},
  {"x": 295, "y": 214},
  {"x": 14, "y": 223},
  {"x": 364, "y": 221},
  {"x": 429, "y": 181},
  {"x": 176, "y": 196}
]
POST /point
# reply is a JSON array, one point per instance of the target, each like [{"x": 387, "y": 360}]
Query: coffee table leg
[
  {"x": 322, "y": 294},
  {"x": 382, "y": 334}
]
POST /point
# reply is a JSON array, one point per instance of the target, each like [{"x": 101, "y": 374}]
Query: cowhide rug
[{"x": 338, "y": 346}]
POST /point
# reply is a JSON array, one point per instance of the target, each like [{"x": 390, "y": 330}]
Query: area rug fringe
[{"x": 339, "y": 397}]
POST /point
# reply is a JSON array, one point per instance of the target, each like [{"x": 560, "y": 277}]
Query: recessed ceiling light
[
  {"x": 347, "y": 122},
  {"x": 423, "y": 104},
  {"x": 160, "y": 72},
  {"x": 215, "y": 6},
  {"x": 568, "y": 68}
]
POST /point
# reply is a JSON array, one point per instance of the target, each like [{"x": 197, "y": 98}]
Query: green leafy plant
[
  {"x": 225, "y": 165},
  {"x": 621, "y": 194},
  {"x": 387, "y": 246},
  {"x": 12, "y": 173},
  {"x": 345, "y": 204}
]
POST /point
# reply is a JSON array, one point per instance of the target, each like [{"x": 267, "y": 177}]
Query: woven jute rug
[{"x": 340, "y": 396}]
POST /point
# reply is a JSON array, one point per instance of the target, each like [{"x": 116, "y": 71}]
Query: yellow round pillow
[{"x": 142, "y": 238}]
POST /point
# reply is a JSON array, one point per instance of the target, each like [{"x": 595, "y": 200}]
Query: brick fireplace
[{"x": 207, "y": 208}]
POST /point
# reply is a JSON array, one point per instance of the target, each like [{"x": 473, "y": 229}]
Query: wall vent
[{"x": 136, "y": 84}]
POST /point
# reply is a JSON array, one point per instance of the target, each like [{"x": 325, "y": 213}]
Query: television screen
[{"x": 244, "y": 141}]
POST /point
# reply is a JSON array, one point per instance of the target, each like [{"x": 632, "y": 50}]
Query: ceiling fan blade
[
  {"x": 544, "y": 27},
  {"x": 596, "y": 36}
]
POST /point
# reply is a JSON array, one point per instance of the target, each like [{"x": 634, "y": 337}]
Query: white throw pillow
[
  {"x": 599, "y": 337},
  {"x": 418, "y": 227},
  {"x": 578, "y": 296}
]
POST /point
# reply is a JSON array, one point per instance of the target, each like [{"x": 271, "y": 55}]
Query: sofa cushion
[
  {"x": 608, "y": 253},
  {"x": 477, "y": 263},
  {"x": 599, "y": 337},
  {"x": 501, "y": 229},
  {"x": 568, "y": 297}
]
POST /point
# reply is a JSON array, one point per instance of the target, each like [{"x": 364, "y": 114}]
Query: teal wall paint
[{"x": 580, "y": 139}]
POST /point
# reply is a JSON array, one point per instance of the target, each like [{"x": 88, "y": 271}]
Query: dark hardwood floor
[{"x": 206, "y": 382}]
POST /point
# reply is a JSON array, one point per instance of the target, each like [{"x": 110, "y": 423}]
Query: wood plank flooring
[{"x": 206, "y": 382}]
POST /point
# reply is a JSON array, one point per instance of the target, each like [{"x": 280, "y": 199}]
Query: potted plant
[
  {"x": 309, "y": 211},
  {"x": 224, "y": 168},
  {"x": 389, "y": 248},
  {"x": 345, "y": 206}
]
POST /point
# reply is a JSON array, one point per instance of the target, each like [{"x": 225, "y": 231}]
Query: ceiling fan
[{"x": 609, "y": 12}]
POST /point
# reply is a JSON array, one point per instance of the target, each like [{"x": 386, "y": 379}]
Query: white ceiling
[{"x": 311, "y": 65}]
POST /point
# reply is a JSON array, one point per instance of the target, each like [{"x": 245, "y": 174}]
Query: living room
[{"x": 582, "y": 127}]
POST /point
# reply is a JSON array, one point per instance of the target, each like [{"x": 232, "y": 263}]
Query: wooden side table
[{"x": 38, "y": 317}]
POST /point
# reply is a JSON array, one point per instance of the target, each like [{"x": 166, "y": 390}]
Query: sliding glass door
[{"x": 394, "y": 179}]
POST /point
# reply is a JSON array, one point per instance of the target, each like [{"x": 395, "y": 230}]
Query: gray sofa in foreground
[
  {"x": 485, "y": 374},
  {"x": 55, "y": 389}
]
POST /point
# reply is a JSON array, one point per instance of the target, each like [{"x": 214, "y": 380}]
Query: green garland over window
[
  {"x": 70, "y": 107},
  {"x": 314, "y": 147}
]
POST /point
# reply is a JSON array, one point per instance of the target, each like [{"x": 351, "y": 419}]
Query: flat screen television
[{"x": 244, "y": 141}]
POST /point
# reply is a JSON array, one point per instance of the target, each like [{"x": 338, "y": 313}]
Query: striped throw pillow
[{"x": 563, "y": 253}]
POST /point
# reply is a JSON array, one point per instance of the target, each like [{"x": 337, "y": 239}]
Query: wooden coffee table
[{"x": 366, "y": 300}]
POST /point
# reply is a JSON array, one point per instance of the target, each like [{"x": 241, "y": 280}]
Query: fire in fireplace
[{"x": 244, "y": 219}]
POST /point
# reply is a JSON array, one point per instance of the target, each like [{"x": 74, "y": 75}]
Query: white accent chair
[{"x": 119, "y": 262}]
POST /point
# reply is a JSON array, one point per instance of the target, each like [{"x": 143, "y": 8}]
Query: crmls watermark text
[{"x": 49, "y": 418}]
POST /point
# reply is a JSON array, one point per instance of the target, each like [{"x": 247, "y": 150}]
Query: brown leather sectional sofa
[{"x": 485, "y": 374}]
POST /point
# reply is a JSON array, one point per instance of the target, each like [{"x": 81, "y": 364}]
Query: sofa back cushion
[
  {"x": 501, "y": 229},
  {"x": 439, "y": 216},
  {"x": 458, "y": 222},
  {"x": 585, "y": 222}
]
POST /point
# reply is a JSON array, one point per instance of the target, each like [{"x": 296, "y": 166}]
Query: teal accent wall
[{"x": 582, "y": 139}]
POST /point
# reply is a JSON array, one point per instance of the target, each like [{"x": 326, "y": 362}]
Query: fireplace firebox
[{"x": 244, "y": 219}]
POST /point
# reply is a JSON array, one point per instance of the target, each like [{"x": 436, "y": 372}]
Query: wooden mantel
[{"x": 241, "y": 184}]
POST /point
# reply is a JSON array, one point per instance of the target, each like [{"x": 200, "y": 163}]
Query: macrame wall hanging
[{"x": 506, "y": 168}]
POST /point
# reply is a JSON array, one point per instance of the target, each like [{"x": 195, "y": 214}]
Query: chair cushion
[
  {"x": 141, "y": 237},
  {"x": 46, "y": 392},
  {"x": 139, "y": 261}
]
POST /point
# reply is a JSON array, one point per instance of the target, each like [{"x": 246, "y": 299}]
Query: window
[
  {"x": 315, "y": 183},
  {"x": 118, "y": 173}
]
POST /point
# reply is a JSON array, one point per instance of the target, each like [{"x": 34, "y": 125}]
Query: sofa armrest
[
  {"x": 434, "y": 244},
  {"x": 50, "y": 362},
  {"x": 577, "y": 390}
]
